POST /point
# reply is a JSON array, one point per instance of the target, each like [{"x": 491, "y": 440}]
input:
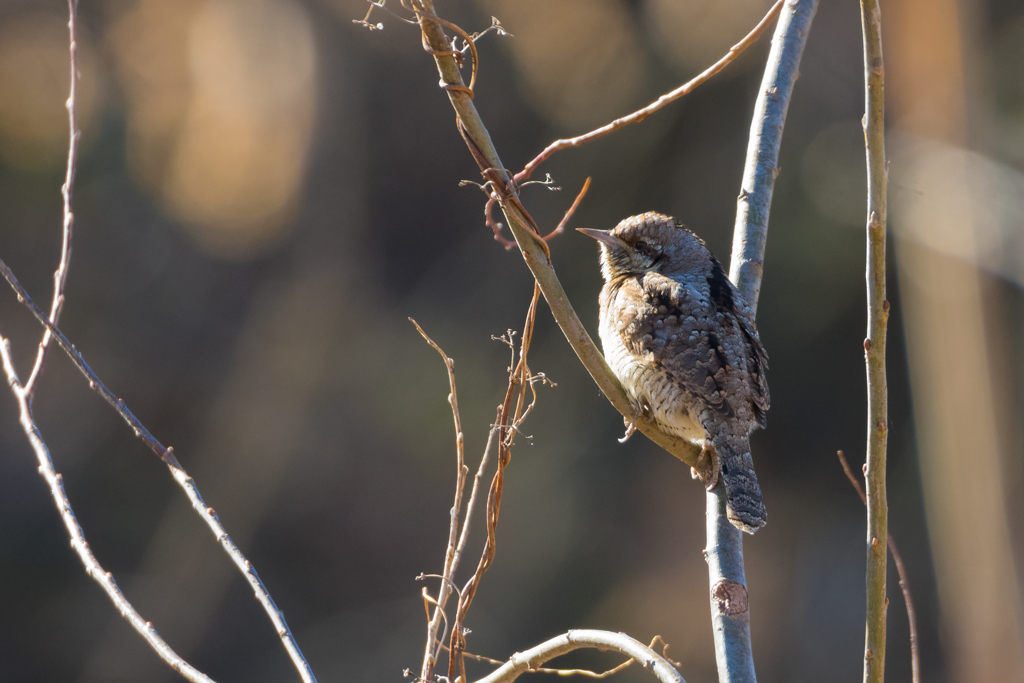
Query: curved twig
[{"x": 532, "y": 659}]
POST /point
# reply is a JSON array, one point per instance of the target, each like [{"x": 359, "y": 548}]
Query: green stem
[{"x": 874, "y": 345}]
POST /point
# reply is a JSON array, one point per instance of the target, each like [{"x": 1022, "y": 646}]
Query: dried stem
[
  {"x": 187, "y": 484},
  {"x": 531, "y": 660},
  {"x": 509, "y": 420},
  {"x": 568, "y": 214},
  {"x": 61, "y": 274},
  {"x": 451, "y": 558},
  {"x": 874, "y": 344},
  {"x": 730, "y": 614},
  {"x": 78, "y": 542},
  {"x": 663, "y": 101},
  {"x": 901, "y": 570}
]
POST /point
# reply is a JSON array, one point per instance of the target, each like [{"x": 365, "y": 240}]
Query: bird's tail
[{"x": 743, "y": 502}]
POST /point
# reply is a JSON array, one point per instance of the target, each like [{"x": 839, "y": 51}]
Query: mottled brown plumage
[{"x": 678, "y": 337}]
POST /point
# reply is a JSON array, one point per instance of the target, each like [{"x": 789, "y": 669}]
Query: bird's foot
[
  {"x": 708, "y": 467},
  {"x": 630, "y": 428},
  {"x": 641, "y": 412}
]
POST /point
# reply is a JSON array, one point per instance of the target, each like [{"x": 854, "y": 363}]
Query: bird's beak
[{"x": 604, "y": 237}]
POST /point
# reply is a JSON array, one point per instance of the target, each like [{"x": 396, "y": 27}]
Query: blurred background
[{"x": 266, "y": 191}]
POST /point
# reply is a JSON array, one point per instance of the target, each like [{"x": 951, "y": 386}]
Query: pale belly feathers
[{"x": 662, "y": 396}]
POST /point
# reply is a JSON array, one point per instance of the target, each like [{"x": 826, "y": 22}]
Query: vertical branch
[
  {"x": 451, "y": 558},
  {"x": 874, "y": 344},
  {"x": 509, "y": 420},
  {"x": 730, "y": 615},
  {"x": 61, "y": 275}
]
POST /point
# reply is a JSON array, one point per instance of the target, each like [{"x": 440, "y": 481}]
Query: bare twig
[
  {"x": 382, "y": 4},
  {"x": 661, "y": 102},
  {"x": 61, "y": 274},
  {"x": 451, "y": 558},
  {"x": 874, "y": 344},
  {"x": 915, "y": 659},
  {"x": 531, "y": 660},
  {"x": 78, "y": 542},
  {"x": 23, "y": 395},
  {"x": 730, "y": 614},
  {"x": 568, "y": 214},
  {"x": 166, "y": 454},
  {"x": 508, "y": 422},
  {"x": 586, "y": 673}
]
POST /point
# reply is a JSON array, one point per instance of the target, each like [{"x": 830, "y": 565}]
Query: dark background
[{"x": 266, "y": 191}]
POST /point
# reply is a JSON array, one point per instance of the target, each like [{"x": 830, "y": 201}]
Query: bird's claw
[
  {"x": 708, "y": 468},
  {"x": 630, "y": 428},
  {"x": 641, "y": 412}
]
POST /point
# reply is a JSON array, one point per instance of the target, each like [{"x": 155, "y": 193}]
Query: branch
[
  {"x": 586, "y": 673},
  {"x": 78, "y": 543},
  {"x": 730, "y": 614},
  {"x": 901, "y": 570},
  {"x": 524, "y": 229},
  {"x": 23, "y": 396},
  {"x": 874, "y": 344},
  {"x": 532, "y": 659},
  {"x": 61, "y": 274},
  {"x": 663, "y": 101},
  {"x": 186, "y": 482},
  {"x": 453, "y": 552}
]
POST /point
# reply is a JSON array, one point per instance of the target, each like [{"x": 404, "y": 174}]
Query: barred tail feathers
[{"x": 743, "y": 501}]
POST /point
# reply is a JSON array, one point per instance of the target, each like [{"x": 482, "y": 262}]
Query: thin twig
[
  {"x": 568, "y": 214},
  {"x": 78, "y": 543},
  {"x": 166, "y": 454},
  {"x": 730, "y": 614},
  {"x": 663, "y": 101},
  {"x": 61, "y": 274},
  {"x": 450, "y": 558},
  {"x": 23, "y": 395},
  {"x": 874, "y": 344},
  {"x": 365, "y": 21},
  {"x": 531, "y": 660},
  {"x": 508, "y": 421},
  {"x": 908, "y": 602}
]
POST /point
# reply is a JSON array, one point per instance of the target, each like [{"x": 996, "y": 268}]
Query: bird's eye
[{"x": 642, "y": 247}]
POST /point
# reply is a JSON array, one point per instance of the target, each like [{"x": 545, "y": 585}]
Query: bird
[{"x": 683, "y": 343}]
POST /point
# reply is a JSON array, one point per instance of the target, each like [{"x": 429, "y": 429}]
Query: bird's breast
[{"x": 647, "y": 384}]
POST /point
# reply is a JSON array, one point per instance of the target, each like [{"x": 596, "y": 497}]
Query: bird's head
[{"x": 644, "y": 243}]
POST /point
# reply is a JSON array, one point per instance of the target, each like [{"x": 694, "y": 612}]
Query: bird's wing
[
  {"x": 757, "y": 366},
  {"x": 672, "y": 329}
]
